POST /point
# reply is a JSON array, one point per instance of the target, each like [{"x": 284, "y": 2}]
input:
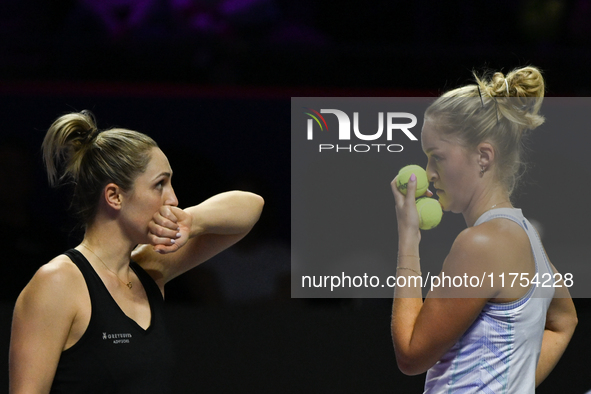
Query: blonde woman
[
  {"x": 498, "y": 338},
  {"x": 91, "y": 320}
]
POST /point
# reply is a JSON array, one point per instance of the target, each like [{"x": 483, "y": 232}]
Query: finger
[
  {"x": 398, "y": 196},
  {"x": 164, "y": 221},
  {"x": 175, "y": 210},
  {"x": 411, "y": 189},
  {"x": 429, "y": 193},
  {"x": 166, "y": 212},
  {"x": 155, "y": 240},
  {"x": 163, "y": 232}
]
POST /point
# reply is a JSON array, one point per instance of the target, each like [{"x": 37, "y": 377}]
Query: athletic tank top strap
[
  {"x": 513, "y": 214},
  {"x": 93, "y": 281},
  {"x": 152, "y": 289}
]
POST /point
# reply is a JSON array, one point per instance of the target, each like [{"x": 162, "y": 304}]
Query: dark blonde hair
[
  {"x": 499, "y": 110},
  {"x": 75, "y": 151}
]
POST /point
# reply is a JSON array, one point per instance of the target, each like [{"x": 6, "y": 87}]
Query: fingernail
[
  {"x": 172, "y": 241},
  {"x": 178, "y": 235},
  {"x": 413, "y": 177},
  {"x": 178, "y": 229}
]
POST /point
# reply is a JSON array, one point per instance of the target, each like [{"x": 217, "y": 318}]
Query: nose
[
  {"x": 171, "y": 198},
  {"x": 431, "y": 173}
]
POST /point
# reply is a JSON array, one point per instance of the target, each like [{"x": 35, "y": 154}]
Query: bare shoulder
[
  {"x": 475, "y": 241},
  {"x": 58, "y": 273},
  {"x": 491, "y": 238},
  {"x": 497, "y": 247},
  {"x": 55, "y": 283}
]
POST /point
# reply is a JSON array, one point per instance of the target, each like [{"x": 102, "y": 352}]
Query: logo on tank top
[{"x": 117, "y": 338}]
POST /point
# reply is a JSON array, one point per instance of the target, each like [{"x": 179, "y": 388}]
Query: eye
[{"x": 160, "y": 184}]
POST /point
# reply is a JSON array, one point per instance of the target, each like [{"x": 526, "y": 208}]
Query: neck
[
  {"x": 107, "y": 240},
  {"x": 496, "y": 197}
]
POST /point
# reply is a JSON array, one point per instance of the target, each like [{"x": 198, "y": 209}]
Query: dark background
[{"x": 211, "y": 80}]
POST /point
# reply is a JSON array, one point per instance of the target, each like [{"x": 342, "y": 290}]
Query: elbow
[
  {"x": 410, "y": 359},
  {"x": 250, "y": 199},
  {"x": 255, "y": 202},
  {"x": 570, "y": 322},
  {"x": 409, "y": 369},
  {"x": 565, "y": 327},
  {"x": 258, "y": 201},
  {"x": 574, "y": 320},
  {"x": 253, "y": 206},
  {"x": 410, "y": 366}
]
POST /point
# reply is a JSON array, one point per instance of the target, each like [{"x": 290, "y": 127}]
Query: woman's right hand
[{"x": 406, "y": 209}]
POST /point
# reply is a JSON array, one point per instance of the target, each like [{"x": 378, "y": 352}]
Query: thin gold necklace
[{"x": 128, "y": 284}]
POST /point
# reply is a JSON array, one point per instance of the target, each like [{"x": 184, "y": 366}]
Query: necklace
[
  {"x": 499, "y": 203},
  {"x": 128, "y": 284}
]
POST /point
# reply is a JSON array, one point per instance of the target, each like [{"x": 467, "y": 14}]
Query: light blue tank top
[{"x": 500, "y": 351}]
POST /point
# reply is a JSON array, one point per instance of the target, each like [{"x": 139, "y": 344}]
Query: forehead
[
  {"x": 431, "y": 136},
  {"x": 158, "y": 163}
]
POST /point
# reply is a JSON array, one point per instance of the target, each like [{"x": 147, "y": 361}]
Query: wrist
[
  {"x": 409, "y": 247},
  {"x": 198, "y": 226}
]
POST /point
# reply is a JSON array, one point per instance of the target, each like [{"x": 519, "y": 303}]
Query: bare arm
[
  {"x": 43, "y": 315},
  {"x": 561, "y": 320},
  {"x": 207, "y": 229},
  {"x": 423, "y": 331}
]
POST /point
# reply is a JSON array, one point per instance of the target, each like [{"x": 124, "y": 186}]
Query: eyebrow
[{"x": 167, "y": 174}]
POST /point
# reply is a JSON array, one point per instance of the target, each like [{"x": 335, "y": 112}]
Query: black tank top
[{"x": 116, "y": 355}]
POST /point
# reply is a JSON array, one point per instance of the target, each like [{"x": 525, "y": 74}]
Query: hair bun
[
  {"x": 65, "y": 143},
  {"x": 526, "y": 82},
  {"x": 527, "y": 93},
  {"x": 522, "y": 82}
]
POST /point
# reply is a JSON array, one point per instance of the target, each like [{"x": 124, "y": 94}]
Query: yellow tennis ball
[
  {"x": 430, "y": 213},
  {"x": 404, "y": 175}
]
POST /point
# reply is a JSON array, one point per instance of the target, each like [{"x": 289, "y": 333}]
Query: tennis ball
[
  {"x": 404, "y": 175},
  {"x": 430, "y": 213}
]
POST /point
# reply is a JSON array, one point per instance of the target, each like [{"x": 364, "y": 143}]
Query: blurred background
[{"x": 211, "y": 81}]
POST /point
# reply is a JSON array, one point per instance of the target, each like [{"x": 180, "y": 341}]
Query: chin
[{"x": 443, "y": 203}]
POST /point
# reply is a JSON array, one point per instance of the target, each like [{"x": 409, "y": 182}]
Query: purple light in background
[{"x": 230, "y": 7}]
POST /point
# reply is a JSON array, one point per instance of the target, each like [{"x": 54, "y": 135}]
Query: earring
[{"x": 482, "y": 169}]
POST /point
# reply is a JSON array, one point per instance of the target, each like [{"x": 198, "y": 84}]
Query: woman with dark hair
[
  {"x": 91, "y": 320},
  {"x": 496, "y": 338}
]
